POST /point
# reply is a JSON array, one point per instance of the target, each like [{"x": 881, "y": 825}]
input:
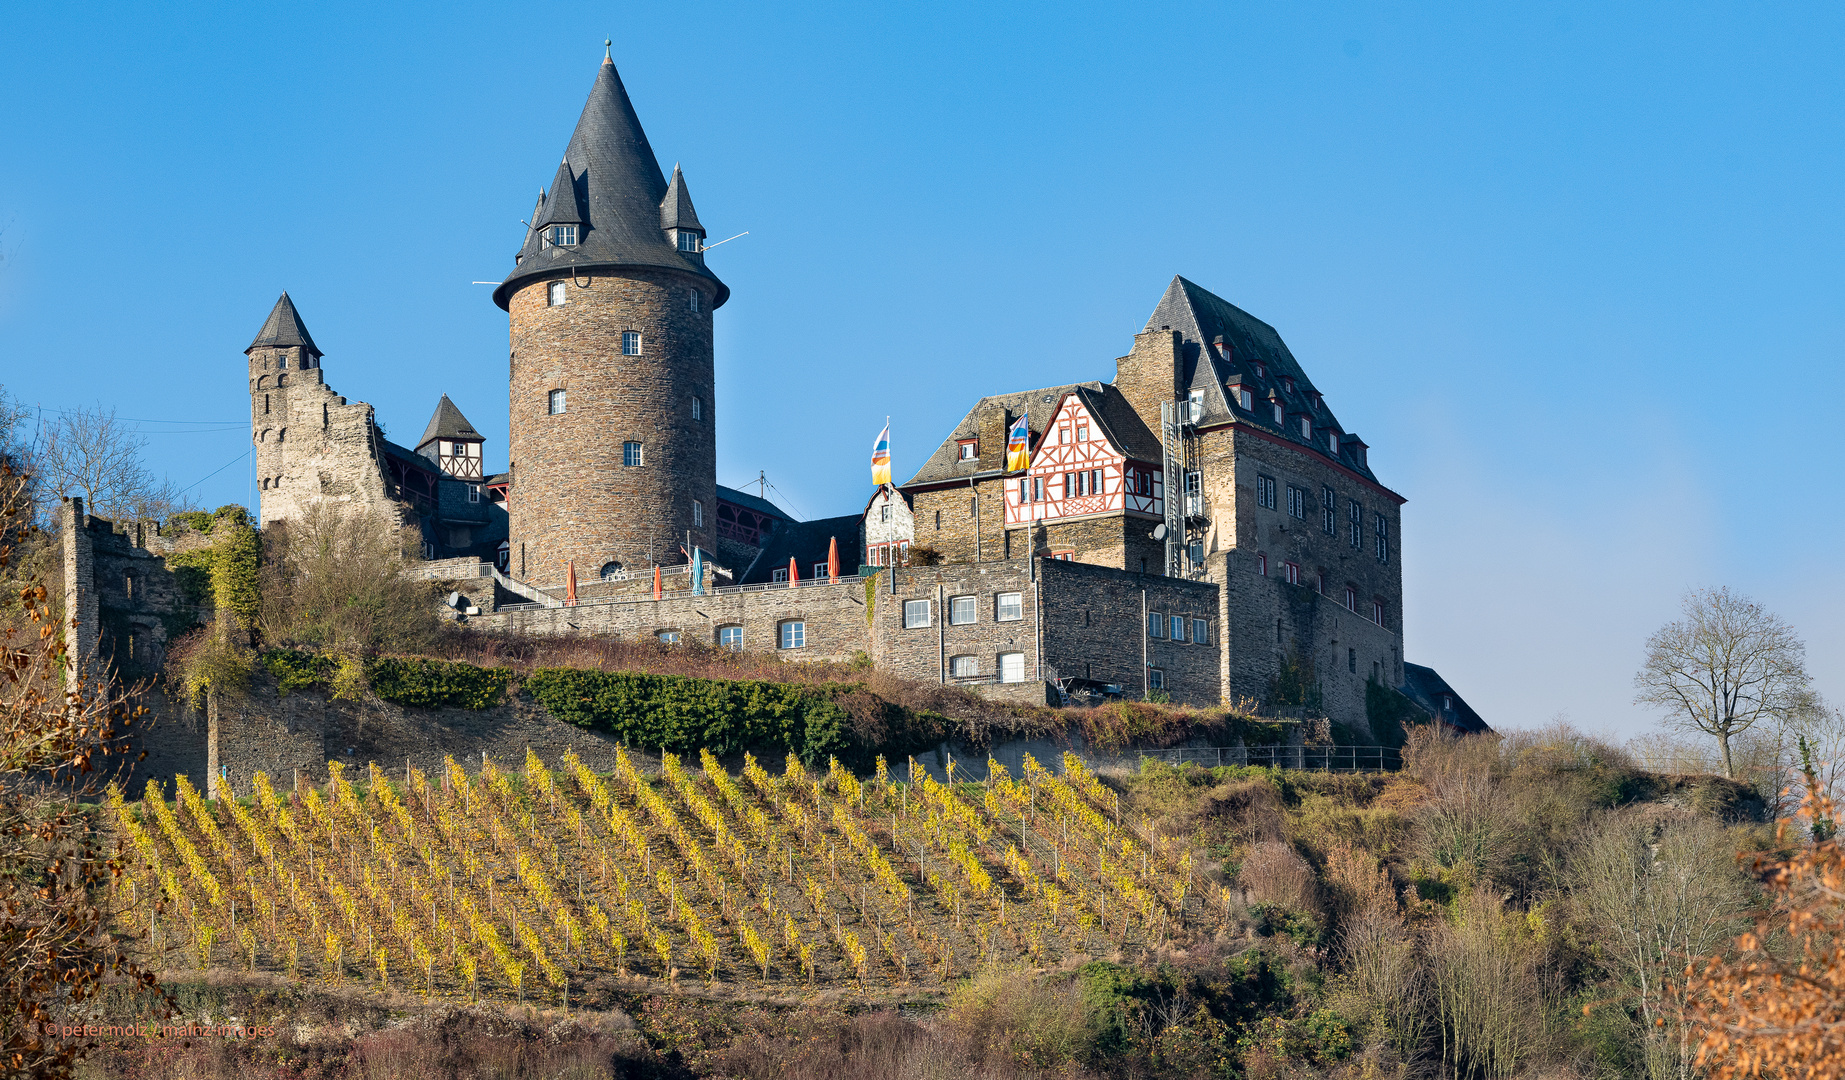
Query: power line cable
[{"x": 219, "y": 469}]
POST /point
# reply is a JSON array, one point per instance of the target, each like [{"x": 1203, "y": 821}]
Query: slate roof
[
  {"x": 806, "y": 542},
  {"x": 1113, "y": 413},
  {"x": 447, "y": 423},
  {"x": 613, "y": 180},
  {"x": 1426, "y": 688},
  {"x": 676, "y": 209},
  {"x": 1222, "y": 341},
  {"x": 283, "y": 329},
  {"x": 751, "y": 502}
]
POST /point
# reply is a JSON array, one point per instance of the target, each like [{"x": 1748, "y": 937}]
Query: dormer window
[
  {"x": 688, "y": 241},
  {"x": 555, "y": 294},
  {"x": 1194, "y": 406},
  {"x": 969, "y": 449},
  {"x": 1261, "y": 371},
  {"x": 1306, "y": 428},
  {"x": 1332, "y": 443},
  {"x": 1246, "y": 400},
  {"x": 1279, "y": 419},
  {"x": 561, "y": 236},
  {"x": 1288, "y": 381}
]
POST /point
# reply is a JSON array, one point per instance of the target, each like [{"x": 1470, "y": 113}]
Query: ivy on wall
[{"x": 680, "y": 713}]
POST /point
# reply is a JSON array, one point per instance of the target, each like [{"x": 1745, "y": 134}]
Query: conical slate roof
[
  {"x": 611, "y": 168},
  {"x": 447, "y": 423},
  {"x": 676, "y": 209},
  {"x": 561, "y": 207},
  {"x": 283, "y": 329}
]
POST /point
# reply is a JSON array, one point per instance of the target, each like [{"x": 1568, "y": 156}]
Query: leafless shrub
[
  {"x": 1024, "y": 1025},
  {"x": 1274, "y": 873},
  {"x": 333, "y": 578},
  {"x": 1493, "y": 1002}
]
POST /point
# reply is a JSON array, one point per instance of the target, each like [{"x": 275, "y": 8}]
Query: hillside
[{"x": 1170, "y": 922}]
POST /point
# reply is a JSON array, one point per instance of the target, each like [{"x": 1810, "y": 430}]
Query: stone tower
[
  {"x": 311, "y": 445},
  {"x": 613, "y": 456}
]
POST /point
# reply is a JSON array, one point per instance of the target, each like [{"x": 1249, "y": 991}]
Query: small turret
[
  {"x": 679, "y": 219},
  {"x": 452, "y": 443}
]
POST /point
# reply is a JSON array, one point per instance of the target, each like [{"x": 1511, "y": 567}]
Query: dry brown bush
[
  {"x": 334, "y": 578},
  {"x": 1274, "y": 873},
  {"x": 1024, "y": 1025},
  {"x": 1493, "y": 1000}
]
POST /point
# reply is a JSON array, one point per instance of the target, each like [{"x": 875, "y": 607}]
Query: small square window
[
  {"x": 960, "y": 610},
  {"x": 688, "y": 241},
  {"x": 1201, "y": 632},
  {"x": 630, "y": 343},
  {"x": 915, "y": 614},
  {"x": 561, "y": 236},
  {"x": 1156, "y": 624},
  {"x": 970, "y": 449},
  {"x": 556, "y": 294},
  {"x": 821, "y": 570},
  {"x": 730, "y": 637},
  {"x": 964, "y": 667},
  {"x": 1156, "y": 679},
  {"x": 780, "y": 573},
  {"x": 557, "y": 402},
  {"x": 1009, "y": 607},
  {"x": 1178, "y": 628},
  {"x": 1082, "y": 433},
  {"x": 793, "y": 634},
  {"x": 1012, "y": 667},
  {"x": 698, "y": 514},
  {"x": 631, "y": 454}
]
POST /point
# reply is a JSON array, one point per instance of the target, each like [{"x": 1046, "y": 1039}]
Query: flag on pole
[
  {"x": 1018, "y": 445},
  {"x": 880, "y": 456}
]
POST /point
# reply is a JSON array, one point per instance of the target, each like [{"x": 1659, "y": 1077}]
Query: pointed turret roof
[
  {"x": 611, "y": 168},
  {"x": 283, "y": 329},
  {"x": 676, "y": 209},
  {"x": 561, "y": 208},
  {"x": 447, "y": 423}
]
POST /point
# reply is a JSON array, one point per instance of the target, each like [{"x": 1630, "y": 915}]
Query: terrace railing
[{"x": 1311, "y": 758}]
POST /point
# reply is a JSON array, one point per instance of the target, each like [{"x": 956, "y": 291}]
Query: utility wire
[{"x": 219, "y": 469}]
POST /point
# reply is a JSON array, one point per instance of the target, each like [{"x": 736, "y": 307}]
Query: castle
[{"x": 1202, "y": 527}]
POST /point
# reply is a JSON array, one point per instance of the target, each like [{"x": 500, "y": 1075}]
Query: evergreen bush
[{"x": 680, "y": 713}]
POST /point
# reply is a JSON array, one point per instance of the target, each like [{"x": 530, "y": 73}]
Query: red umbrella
[
  {"x": 794, "y": 572},
  {"x": 832, "y": 560},
  {"x": 656, "y": 583},
  {"x": 570, "y": 586}
]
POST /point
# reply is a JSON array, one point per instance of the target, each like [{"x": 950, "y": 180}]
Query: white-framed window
[
  {"x": 1178, "y": 627},
  {"x": 964, "y": 667},
  {"x": 1279, "y": 418},
  {"x": 780, "y": 573},
  {"x": 1156, "y": 679},
  {"x": 429, "y": 550},
  {"x": 1194, "y": 406},
  {"x": 693, "y": 300},
  {"x": 1082, "y": 431},
  {"x": 1261, "y": 564},
  {"x": 915, "y": 614},
  {"x": 630, "y": 343},
  {"x": 1332, "y": 443},
  {"x": 1306, "y": 428},
  {"x": 1355, "y": 519},
  {"x": 1319, "y": 584},
  {"x": 1008, "y": 607},
  {"x": 730, "y": 637},
  {"x": 473, "y": 493},
  {"x": 1012, "y": 667},
  {"x": 822, "y": 570},
  {"x": 1293, "y": 572},
  {"x": 961, "y": 610},
  {"x": 1329, "y": 511},
  {"x": 884, "y": 512},
  {"x": 1288, "y": 381},
  {"x": 561, "y": 236},
  {"x": 1381, "y": 528},
  {"x": 1246, "y": 400},
  {"x": 557, "y": 402},
  {"x": 1265, "y": 491},
  {"x": 1377, "y": 612},
  {"x": 698, "y": 407},
  {"x": 688, "y": 241},
  {"x": 792, "y": 634},
  {"x": 1156, "y": 624},
  {"x": 631, "y": 455},
  {"x": 668, "y": 637},
  {"x": 970, "y": 449},
  {"x": 698, "y": 514},
  {"x": 1201, "y": 632},
  {"x": 556, "y": 294},
  {"x": 1351, "y": 598}
]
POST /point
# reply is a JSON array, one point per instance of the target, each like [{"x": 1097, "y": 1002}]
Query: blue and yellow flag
[
  {"x": 1018, "y": 445},
  {"x": 880, "y": 457}
]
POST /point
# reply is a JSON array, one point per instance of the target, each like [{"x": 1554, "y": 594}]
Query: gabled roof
[
  {"x": 676, "y": 209},
  {"x": 611, "y": 169},
  {"x": 880, "y": 490},
  {"x": 283, "y": 329},
  {"x": 751, "y": 502},
  {"x": 1428, "y": 689},
  {"x": 1119, "y": 422},
  {"x": 561, "y": 206},
  {"x": 1221, "y": 340},
  {"x": 447, "y": 423},
  {"x": 807, "y": 542}
]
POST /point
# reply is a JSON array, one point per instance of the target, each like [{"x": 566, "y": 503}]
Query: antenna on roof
[{"x": 708, "y": 247}]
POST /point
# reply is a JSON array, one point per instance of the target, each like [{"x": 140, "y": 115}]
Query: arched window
[{"x": 611, "y": 571}]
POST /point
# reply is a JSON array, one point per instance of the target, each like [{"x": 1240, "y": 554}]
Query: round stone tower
[{"x": 613, "y": 452}]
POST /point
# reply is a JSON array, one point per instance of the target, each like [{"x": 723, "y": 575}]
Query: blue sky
[{"x": 1572, "y": 270}]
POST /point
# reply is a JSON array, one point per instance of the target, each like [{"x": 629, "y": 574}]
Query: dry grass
[{"x": 1274, "y": 873}]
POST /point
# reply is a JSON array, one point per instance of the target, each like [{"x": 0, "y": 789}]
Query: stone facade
[
  {"x": 1097, "y": 628},
  {"x": 311, "y": 444},
  {"x": 125, "y": 602},
  {"x": 889, "y": 529},
  {"x": 572, "y": 496}
]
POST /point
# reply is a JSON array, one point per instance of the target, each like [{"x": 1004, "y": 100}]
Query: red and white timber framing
[{"x": 1077, "y": 472}]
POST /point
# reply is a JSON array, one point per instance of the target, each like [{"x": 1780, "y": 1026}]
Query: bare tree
[
  {"x": 92, "y": 453},
  {"x": 334, "y": 577},
  {"x": 1726, "y": 666}
]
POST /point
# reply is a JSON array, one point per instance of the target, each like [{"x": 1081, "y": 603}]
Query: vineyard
[{"x": 525, "y": 884}]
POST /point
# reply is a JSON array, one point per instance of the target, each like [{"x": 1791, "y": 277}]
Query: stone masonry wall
[
  {"x": 311, "y": 444},
  {"x": 925, "y": 653},
  {"x": 1094, "y": 629},
  {"x": 571, "y": 496}
]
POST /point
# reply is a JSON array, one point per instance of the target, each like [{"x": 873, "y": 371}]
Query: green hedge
[
  {"x": 680, "y": 713},
  {"x": 424, "y": 684}
]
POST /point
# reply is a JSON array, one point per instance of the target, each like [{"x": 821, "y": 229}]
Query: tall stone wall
[
  {"x": 1094, "y": 628},
  {"x": 311, "y": 444},
  {"x": 572, "y": 498}
]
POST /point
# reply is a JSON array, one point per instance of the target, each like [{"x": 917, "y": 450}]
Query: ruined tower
[
  {"x": 311, "y": 445},
  {"x": 613, "y": 454}
]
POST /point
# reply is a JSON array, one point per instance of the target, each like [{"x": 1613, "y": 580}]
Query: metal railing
[
  {"x": 686, "y": 594},
  {"x": 1309, "y": 758}
]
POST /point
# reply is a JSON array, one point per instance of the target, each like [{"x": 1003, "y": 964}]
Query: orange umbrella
[
  {"x": 832, "y": 560},
  {"x": 570, "y": 585},
  {"x": 794, "y": 572},
  {"x": 656, "y": 583}
]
